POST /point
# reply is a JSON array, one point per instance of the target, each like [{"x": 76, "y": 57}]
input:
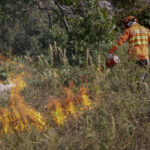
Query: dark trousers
[{"x": 142, "y": 63}]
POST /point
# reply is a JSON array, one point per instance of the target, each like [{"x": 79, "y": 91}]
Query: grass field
[{"x": 117, "y": 119}]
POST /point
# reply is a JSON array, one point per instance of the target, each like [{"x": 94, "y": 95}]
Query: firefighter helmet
[{"x": 128, "y": 19}]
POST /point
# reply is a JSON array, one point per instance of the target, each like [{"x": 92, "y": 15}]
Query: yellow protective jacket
[{"x": 138, "y": 38}]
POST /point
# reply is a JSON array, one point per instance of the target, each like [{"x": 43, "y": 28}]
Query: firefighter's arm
[{"x": 122, "y": 39}]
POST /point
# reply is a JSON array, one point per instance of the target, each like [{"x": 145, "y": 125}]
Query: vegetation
[
  {"x": 64, "y": 42},
  {"x": 73, "y": 26},
  {"x": 119, "y": 121}
]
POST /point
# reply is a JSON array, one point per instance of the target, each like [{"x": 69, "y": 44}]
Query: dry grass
[{"x": 119, "y": 122}]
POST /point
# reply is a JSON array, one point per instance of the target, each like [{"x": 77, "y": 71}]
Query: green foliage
[
  {"x": 144, "y": 16},
  {"x": 139, "y": 9},
  {"x": 24, "y": 31},
  {"x": 3, "y": 74},
  {"x": 30, "y": 27},
  {"x": 127, "y": 4},
  {"x": 92, "y": 28},
  {"x": 68, "y": 2}
]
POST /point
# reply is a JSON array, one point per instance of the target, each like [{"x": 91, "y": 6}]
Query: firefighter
[{"x": 138, "y": 38}]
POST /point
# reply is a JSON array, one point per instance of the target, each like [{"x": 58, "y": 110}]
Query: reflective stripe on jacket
[{"x": 138, "y": 38}]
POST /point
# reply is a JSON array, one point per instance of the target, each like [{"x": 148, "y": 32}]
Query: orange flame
[
  {"x": 19, "y": 116},
  {"x": 84, "y": 98},
  {"x": 22, "y": 114},
  {"x": 5, "y": 120},
  {"x": 69, "y": 107},
  {"x": 62, "y": 112},
  {"x": 56, "y": 113}
]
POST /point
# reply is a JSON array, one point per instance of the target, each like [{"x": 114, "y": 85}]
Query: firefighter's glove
[{"x": 110, "y": 56}]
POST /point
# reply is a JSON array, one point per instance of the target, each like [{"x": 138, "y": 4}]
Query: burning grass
[
  {"x": 19, "y": 116},
  {"x": 77, "y": 121},
  {"x": 73, "y": 104}
]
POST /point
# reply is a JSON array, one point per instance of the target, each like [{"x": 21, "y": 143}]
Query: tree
[{"x": 75, "y": 25}]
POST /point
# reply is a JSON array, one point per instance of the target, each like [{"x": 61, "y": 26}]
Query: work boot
[{"x": 142, "y": 86}]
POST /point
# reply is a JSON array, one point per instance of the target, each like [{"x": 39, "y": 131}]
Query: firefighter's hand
[{"x": 110, "y": 56}]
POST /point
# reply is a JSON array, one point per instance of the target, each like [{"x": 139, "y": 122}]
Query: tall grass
[{"x": 118, "y": 121}]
